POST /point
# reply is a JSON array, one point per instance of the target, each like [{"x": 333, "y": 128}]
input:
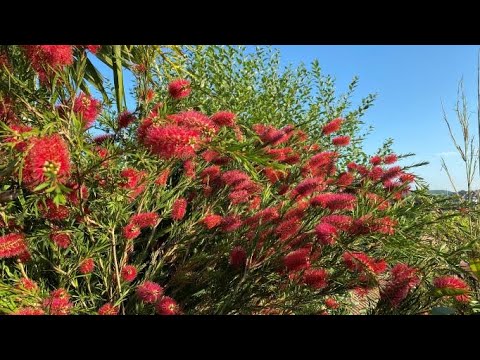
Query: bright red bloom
[
  {"x": 332, "y": 126},
  {"x": 376, "y": 160},
  {"x": 44, "y": 58},
  {"x": 297, "y": 260},
  {"x": 167, "y": 306},
  {"x": 288, "y": 228},
  {"x": 131, "y": 231},
  {"x": 224, "y": 118},
  {"x": 331, "y": 303},
  {"x": 391, "y": 173},
  {"x": 231, "y": 223},
  {"x": 211, "y": 173},
  {"x": 273, "y": 175},
  {"x": 262, "y": 217},
  {"x": 179, "y": 209},
  {"x": 234, "y": 177},
  {"x": 134, "y": 180},
  {"x": 129, "y": 273},
  {"x": 316, "y": 278},
  {"x": 125, "y": 119},
  {"x": 87, "y": 266},
  {"x": 194, "y": 120},
  {"x": 108, "y": 309},
  {"x": 375, "y": 199},
  {"x": 29, "y": 311},
  {"x": 341, "y": 140},
  {"x": 61, "y": 239},
  {"x": 402, "y": 279},
  {"x": 255, "y": 203},
  {"x": 172, "y": 141},
  {"x": 321, "y": 164},
  {"x": 345, "y": 179},
  {"x": 407, "y": 178},
  {"x": 179, "y": 88},
  {"x": 144, "y": 220},
  {"x": 326, "y": 233},
  {"x": 28, "y": 284},
  {"x": 149, "y": 292},
  {"x": 12, "y": 245},
  {"x": 376, "y": 173},
  {"x": 142, "y": 130},
  {"x": 238, "y": 257},
  {"x": 58, "y": 303},
  {"x": 385, "y": 225},
  {"x": 47, "y": 158},
  {"x": 88, "y": 108},
  {"x": 163, "y": 177},
  {"x": 189, "y": 167},
  {"x": 238, "y": 197},
  {"x": 308, "y": 186},
  {"x": 451, "y": 285},
  {"x": 341, "y": 222},
  {"x": 53, "y": 212},
  {"x": 271, "y": 136},
  {"x": 335, "y": 201},
  {"x": 390, "y": 159}
]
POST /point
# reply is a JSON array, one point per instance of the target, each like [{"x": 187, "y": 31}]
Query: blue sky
[{"x": 410, "y": 82}]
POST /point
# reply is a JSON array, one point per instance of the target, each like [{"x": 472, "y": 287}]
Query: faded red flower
[
  {"x": 231, "y": 223},
  {"x": 125, "y": 119},
  {"x": 334, "y": 202},
  {"x": 29, "y": 311},
  {"x": 162, "y": 178},
  {"x": 28, "y": 284},
  {"x": 143, "y": 220},
  {"x": 238, "y": 257},
  {"x": 316, "y": 278},
  {"x": 108, "y": 309},
  {"x": 189, "y": 167},
  {"x": 52, "y": 211},
  {"x": 61, "y": 239},
  {"x": 87, "y": 266},
  {"x": 331, "y": 303},
  {"x": 131, "y": 231},
  {"x": 58, "y": 303},
  {"x": 297, "y": 260}
]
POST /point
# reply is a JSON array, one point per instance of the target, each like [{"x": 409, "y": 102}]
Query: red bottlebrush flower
[
  {"x": 391, "y": 173},
  {"x": 144, "y": 220},
  {"x": 234, "y": 177},
  {"x": 58, "y": 303},
  {"x": 47, "y": 158},
  {"x": 341, "y": 222},
  {"x": 108, "y": 309},
  {"x": 288, "y": 228},
  {"x": 172, "y": 141},
  {"x": 341, "y": 140},
  {"x": 274, "y": 175},
  {"x": 87, "y": 266},
  {"x": 238, "y": 197},
  {"x": 131, "y": 231},
  {"x": 407, "y": 178},
  {"x": 162, "y": 178},
  {"x": 238, "y": 257},
  {"x": 376, "y": 160},
  {"x": 332, "y": 126},
  {"x": 129, "y": 273},
  {"x": 87, "y": 107},
  {"x": 149, "y": 292},
  {"x": 189, "y": 167},
  {"x": 271, "y": 136},
  {"x": 145, "y": 125},
  {"x": 224, "y": 118},
  {"x": 308, "y": 186},
  {"x": 93, "y": 48},
  {"x": 133, "y": 178},
  {"x": 331, "y": 303},
  {"x": 211, "y": 173},
  {"x": 402, "y": 279},
  {"x": 12, "y": 245},
  {"x": 255, "y": 203},
  {"x": 359, "y": 261},
  {"x": 179, "y": 88},
  {"x": 377, "y": 200},
  {"x": 231, "y": 223},
  {"x": 125, "y": 119},
  {"x": 326, "y": 233},
  {"x": 450, "y": 286},
  {"x": 196, "y": 121},
  {"x": 345, "y": 179},
  {"x": 210, "y": 155},
  {"x": 376, "y": 173},
  {"x": 316, "y": 278},
  {"x": 385, "y": 225},
  {"x": 24, "y": 257},
  {"x": 28, "y": 284},
  {"x": 334, "y": 201},
  {"x": 29, "y": 311},
  {"x": 390, "y": 159},
  {"x": 262, "y": 217},
  {"x": 45, "y": 57},
  {"x": 53, "y": 212},
  {"x": 167, "y": 306},
  {"x": 179, "y": 209},
  {"x": 297, "y": 260},
  {"x": 61, "y": 239},
  {"x": 321, "y": 164}
]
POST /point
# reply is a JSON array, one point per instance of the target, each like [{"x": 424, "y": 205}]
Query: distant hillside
[{"x": 441, "y": 192}]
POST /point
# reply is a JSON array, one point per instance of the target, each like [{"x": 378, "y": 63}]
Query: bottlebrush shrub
[{"x": 182, "y": 211}]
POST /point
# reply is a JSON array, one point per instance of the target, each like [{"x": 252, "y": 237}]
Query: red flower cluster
[
  {"x": 179, "y": 209},
  {"x": 452, "y": 286},
  {"x": 238, "y": 257},
  {"x": 125, "y": 119},
  {"x": 58, "y": 303},
  {"x": 179, "y": 89},
  {"x": 224, "y": 118},
  {"x": 167, "y": 306},
  {"x": 48, "y": 158},
  {"x": 210, "y": 221},
  {"x": 88, "y": 108},
  {"x": 108, "y": 309},
  {"x": 61, "y": 239},
  {"x": 334, "y": 201},
  {"x": 332, "y": 126},
  {"x": 316, "y": 278},
  {"x": 171, "y": 141},
  {"x": 47, "y": 58},
  {"x": 53, "y": 212},
  {"x": 138, "y": 222},
  {"x": 402, "y": 279},
  {"x": 361, "y": 262},
  {"x": 12, "y": 245},
  {"x": 149, "y": 292},
  {"x": 129, "y": 273},
  {"x": 86, "y": 266}
]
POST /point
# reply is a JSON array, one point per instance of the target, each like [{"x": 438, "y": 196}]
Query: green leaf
[
  {"x": 41, "y": 186},
  {"x": 118, "y": 77},
  {"x": 475, "y": 267}
]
